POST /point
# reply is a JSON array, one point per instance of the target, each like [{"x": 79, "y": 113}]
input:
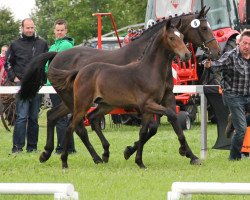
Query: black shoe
[
  {"x": 31, "y": 150},
  {"x": 15, "y": 149},
  {"x": 72, "y": 151},
  {"x": 59, "y": 151}
]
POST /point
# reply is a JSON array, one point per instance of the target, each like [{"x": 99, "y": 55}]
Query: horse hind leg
[
  {"x": 52, "y": 116},
  {"x": 83, "y": 134}
]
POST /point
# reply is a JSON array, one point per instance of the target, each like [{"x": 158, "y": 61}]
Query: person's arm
[{"x": 223, "y": 63}]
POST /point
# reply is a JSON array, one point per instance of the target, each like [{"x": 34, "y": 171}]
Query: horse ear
[
  {"x": 202, "y": 13},
  {"x": 205, "y": 12},
  {"x": 178, "y": 26}
]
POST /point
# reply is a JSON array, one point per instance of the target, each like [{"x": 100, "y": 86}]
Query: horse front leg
[
  {"x": 142, "y": 139},
  {"x": 152, "y": 130},
  {"x": 52, "y": 116},
  {"x": 184, "y": 149}
]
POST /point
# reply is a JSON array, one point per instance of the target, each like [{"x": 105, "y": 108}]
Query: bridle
[{"x": 203, "y": 45}]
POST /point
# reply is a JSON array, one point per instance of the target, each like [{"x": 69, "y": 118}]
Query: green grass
[{"x": 121, "y": 179}]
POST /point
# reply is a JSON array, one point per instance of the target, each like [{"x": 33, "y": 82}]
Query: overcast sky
[{"x": 20, "y": 8}]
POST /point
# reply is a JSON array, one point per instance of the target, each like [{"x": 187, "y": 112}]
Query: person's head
[
  {"x": 244, "y": 42},
  {"x": 60, "y": 28},
  {"x": 4, "y": 50},
  {"x": 28, "y": 27}
]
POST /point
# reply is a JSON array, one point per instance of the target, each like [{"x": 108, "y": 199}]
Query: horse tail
[
  {"x": 62, "y": 79},
  {"x": 35, "y": 76}
]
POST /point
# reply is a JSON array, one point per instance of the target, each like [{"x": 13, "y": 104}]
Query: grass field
[{"x": 121, "y": 179}]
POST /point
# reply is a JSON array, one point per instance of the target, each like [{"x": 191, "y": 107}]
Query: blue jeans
[
  {"x": 237, "y": 107},
  {"x": 61, "y": 127},
  {"x": 26, "y": 124}
]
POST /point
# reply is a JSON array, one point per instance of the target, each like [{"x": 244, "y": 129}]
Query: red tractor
[{"x": 226, "y": 18}]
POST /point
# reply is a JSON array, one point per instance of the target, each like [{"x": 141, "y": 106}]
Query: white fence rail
[
  {"x": 62, "y": 191},
  {"x": 184, "y": 190}
]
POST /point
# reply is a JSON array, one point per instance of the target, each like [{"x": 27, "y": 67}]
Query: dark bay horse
[
  {"x": 140, "y": 85},
  {"x": 79, "y": 57}
]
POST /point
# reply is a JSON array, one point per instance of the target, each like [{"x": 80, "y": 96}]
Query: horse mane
[
  {"x": 161, "y": 22},
  {"x": 147, "y": 46}
]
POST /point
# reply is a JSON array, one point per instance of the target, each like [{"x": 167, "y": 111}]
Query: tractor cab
[{"x": 222, "y": 14}]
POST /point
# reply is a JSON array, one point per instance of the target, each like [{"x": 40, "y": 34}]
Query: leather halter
[{"x": 203, "y": 45}]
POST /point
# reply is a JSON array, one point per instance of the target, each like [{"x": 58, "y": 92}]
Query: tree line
[{"x": 82, "y": 24}]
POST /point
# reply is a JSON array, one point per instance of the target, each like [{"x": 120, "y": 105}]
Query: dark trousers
[
  {"x": 237, "y": 106},
  {"x": 61, "y": 127},
  {"x": 26, "y": 124}
]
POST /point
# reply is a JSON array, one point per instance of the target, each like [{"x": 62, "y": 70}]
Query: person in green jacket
[{"x": 62, "y": 43}]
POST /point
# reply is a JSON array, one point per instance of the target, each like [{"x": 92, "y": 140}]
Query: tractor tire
[
  {"x": 231, "y": 44},
  {"x": 184, "y": 120},
  {"x": 192, "y": 110},
  {"x": 102, "y": 123}
]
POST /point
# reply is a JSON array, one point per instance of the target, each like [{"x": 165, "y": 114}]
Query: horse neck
[
  {"x": 156, "y": 58},
  {"x": 186, "y": 24},
  {"x": 139, "y": 44}
]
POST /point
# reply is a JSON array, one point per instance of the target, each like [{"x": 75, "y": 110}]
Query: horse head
[
  {"x": 199, "y": 32},
  {"x": 173, "y": 40}
]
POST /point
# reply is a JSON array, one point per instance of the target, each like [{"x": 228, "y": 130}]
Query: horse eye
[
  {"x": 204, "y": 28},
  {"x": 172, "y": 38}
]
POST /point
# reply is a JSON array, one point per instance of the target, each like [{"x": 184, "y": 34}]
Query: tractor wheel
[
  {"x": 8, "y": 115},
  {"x": 192, "y": 110},
  {"x": 184, "y": 120},
  {"x": 102, "y": 123},
  {"x": 231, "y": 44},
  {"x": 8, "y": 108}
]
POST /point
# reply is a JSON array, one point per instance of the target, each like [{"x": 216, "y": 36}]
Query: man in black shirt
[{"x": 18, "y": 56}]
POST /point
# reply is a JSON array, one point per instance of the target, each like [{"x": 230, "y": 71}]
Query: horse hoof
[
  {"x": 105, "y": 159},
  {"x": 182, "y": 152},
  {"x": 127, "y": 152},
  {"x": 44, "y": 157},
  {"x": 98, "y": 160},
  {"x": 141, "y": 166},
  {"x": 196, "y": 161},
  {"x": 65, "y": 166}
]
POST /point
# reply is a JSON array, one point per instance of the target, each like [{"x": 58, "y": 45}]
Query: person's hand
[
  {"x": 16, "y": 80},
  {"x": 206, "y": 63}
]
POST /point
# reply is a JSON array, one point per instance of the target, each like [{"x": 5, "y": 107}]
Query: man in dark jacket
[{"x": 18, "y": 56}]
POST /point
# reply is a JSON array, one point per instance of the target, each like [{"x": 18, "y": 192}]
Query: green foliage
[
  {"x": 121, "y": 179},
  {"x": 9, "y": 28},
  {"x": 82, "y": 25}
]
